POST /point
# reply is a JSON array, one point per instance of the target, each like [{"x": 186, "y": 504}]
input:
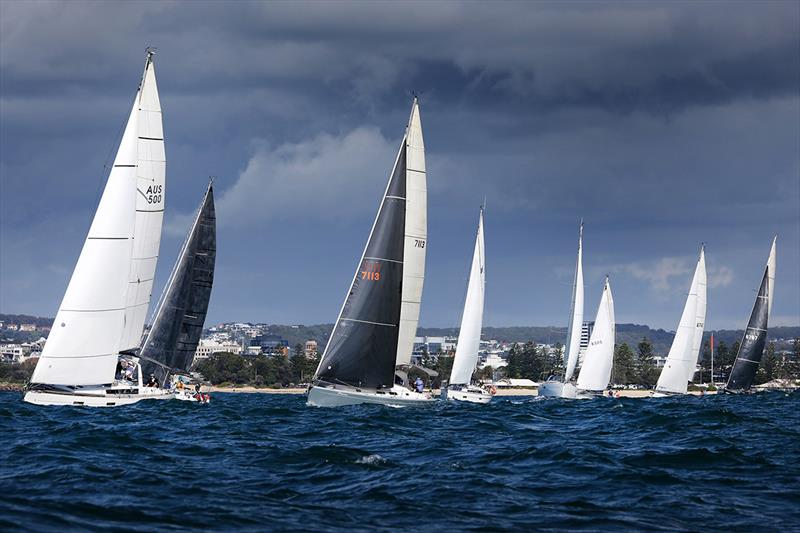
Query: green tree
[
  {"x": 624, "y": 366},
  {"x": 647, "y": 374}
]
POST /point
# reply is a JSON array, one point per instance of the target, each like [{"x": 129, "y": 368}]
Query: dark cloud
[{"x": 662, "y": 124}]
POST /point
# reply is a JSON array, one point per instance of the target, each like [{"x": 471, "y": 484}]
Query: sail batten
[{"x": 469, "y": 335}]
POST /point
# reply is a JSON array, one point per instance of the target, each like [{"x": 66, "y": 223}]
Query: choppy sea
[{"x": 268, "y": 462}]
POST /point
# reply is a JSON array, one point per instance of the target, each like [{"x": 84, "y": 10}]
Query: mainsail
[
  {"x": 469, "y": 335},
  {"x": 755, "y": 337},
  {"x": 596, "y": 370},
  {"x": 682, "y": 358},
  {"x": 181, "y": 313},
  {"x": 151, "y": 189},
  {"x": 378, "y": 320},
  {"x": 576, "y": 319},
  {"x": 93, "y": 323}
]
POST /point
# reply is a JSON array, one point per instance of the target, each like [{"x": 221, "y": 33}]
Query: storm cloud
[{"x": 662, "y": 125}]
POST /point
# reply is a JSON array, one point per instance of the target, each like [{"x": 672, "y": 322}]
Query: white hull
[
  {"x": 469, "y": 395},
  {"x": 340, "y": 395},
  {"x": 661, "y": 394},
  {"x": 97, "y": 397},
  {"x": 556, "y": 389},
  {"x": 187, "y": 395}
]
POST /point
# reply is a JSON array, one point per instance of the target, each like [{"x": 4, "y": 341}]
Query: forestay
[
  {"x": 181, "y": 313},
  {"x": 596, "y": 370},
  {"x": 469, "y": 335}
]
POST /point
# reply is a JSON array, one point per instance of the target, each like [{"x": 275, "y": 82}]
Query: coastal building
[
  {"x": 311, "y": 348},
  {"x": 27, "y": 327},
  {"x": 434, "y": 345},
  {"x": 586, "y": 333},
  {"x": 207, "y": 347}
]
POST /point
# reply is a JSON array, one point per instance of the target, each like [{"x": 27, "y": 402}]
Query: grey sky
[{"x": 662, "y": 125}]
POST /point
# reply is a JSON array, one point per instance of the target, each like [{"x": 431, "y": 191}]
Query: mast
[
  {"x": 576, "y": 314},
  {"x": 469, "y": 336},
  {"x": 365, "y": 342},
  {"x": 178, "y": 324}
]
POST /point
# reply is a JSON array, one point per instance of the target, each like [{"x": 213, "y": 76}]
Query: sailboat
[
  {"x": 375, "y": 330},
  {"x": 170, "y": 345},
  {"x": 459, "y": 387},
  {"x": 682, "y": 358},
  {"x": 90, "y": 355},
  {"x": 755, "y": 336},
  {"x": 565, "y": 388}
]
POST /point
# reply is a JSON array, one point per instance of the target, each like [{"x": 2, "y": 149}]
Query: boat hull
[
  {"x": 468, "y": 395},
  {"x": 557, "y": 389},
  {"x": 96, "y": 397},
  {"x": 341, "y": 395}
]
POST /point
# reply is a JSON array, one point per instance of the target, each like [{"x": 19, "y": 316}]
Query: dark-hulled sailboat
[
  {"x": 755, "y": 336},
  {"x": 378, "y": 321},
  {"x": 172, "y": 341}
]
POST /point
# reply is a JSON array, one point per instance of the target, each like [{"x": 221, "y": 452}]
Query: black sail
[
  {"x": 173, "y": 339},
  {"x": 363, "y": 345},
  {"x": 752, "y": 346}
]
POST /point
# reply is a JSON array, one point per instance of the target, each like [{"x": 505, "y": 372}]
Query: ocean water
[{"x": 268, "y": 462}]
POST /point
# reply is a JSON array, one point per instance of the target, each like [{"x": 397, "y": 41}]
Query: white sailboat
[
  {"x": 682, "y": 358},
  {"x": 377, "y": 323},
  {"x": 90, "y": 354},
  {"x": 459, "y": 387},
  {"x": 595, "y": 373},
  {"x": 554, "y": 387}
]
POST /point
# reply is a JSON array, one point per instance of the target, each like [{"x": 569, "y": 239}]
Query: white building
[{"x": 208, "y": 347}]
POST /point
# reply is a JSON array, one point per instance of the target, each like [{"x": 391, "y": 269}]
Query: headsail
[
  {"x": 576, "y": 319},
  {"x": 755, "y": 338},
  {"x": 469, "y": 335},
  {"x": 85, "y": 339},
  {"x": 151, "y": 189},
  {"x": 383, "y": 300},
  {"x": 596, "y": 370},
  {"x": 682, "y": 357},
  {"x": 181, "y": 313},
  {"x": 771, "y": 269}
]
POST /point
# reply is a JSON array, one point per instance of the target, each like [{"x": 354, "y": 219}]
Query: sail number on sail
[
  {"x": 419, "y": 243},
  {"x": 371, "y": 271},
  {"x": 153, "y": 194}
]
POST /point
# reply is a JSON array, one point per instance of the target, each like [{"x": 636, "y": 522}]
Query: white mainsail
[
  {"x": 416, "y": 237},
  {"x": 151, "y": 188},
  {"x": 469, "y": 336},
  {"x": 596, "y": 370},
  {"x": 771, "y": 276},
  {"x": 576, "y": 320},
  {"x": 98, "y": 315},
  {"x": 682, "y": 357}
]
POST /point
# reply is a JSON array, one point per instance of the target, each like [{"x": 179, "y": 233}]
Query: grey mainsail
[
  {"x": 752, "y": 345},
  {"x": 172, "y": 341},
  {"x": 363, "y": 345}
]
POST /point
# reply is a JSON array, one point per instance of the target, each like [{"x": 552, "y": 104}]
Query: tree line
[{"x": 259, "y": 371}]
